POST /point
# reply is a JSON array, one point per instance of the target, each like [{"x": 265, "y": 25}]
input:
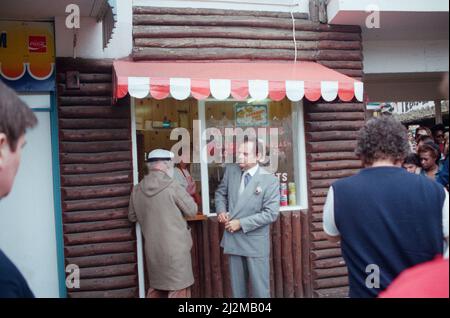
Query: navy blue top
[
  {"x": 12, "y": 283},
  {"x": 442, "y": 176},
  {"x": 390, "y": 218}
]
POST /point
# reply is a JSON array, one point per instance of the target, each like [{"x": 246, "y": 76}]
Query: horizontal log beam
[
  {"x": 95, "y": 215},
  {"x": 316, "y": 213},
  {"x": 328, "y": 253},
  {"x": 90, "y": 192},
  {"x": 96, "y": 226},
  {"x": 116, "y": 293},
  {"x": 109, "y": 271},
  {"x": 94, "y": 134},
  {"x": 95, "y": 146},
  {"x": 317, "y": 226},
  {"x": 137, "y": 10},
  {"x": 96, "y": 179},
  {"x": 88, "y": 78},
  {"x": 335, "y": 107},
  {"x": 117, "y": 235},
  {"x": 334, "y": 116},
  {"x": 95, "y": 204},
  {"x": 331, "y": 146},
  {"x": 331, "y": 135},
  {"x": 329, "y": 263},
  {"x": 249, "y": 43},
  {"x": 238, "y": 33},
  {"x": 237, "y": 21},
  {"x": 218, "y": 53},
  {"x": 335, "y": 165},
  {"x": 334, "y": 125},
  {"x": 84, "y": 100},
  {"x": 102, "y": 260},
  {"x": 107, "y": 283},
  {"x": 340, "y": 64},
  {"x": 322, "y": 183},
  {"x": 329, "y": 156},
  {"x": 108, "y": 123},
  {"x": 318, "y": 200},
  {"x": 87, "y": 89},
  {"x": 349, "y": 72},
  {"x": 329, "y": 272},
  {"x": 315, "y": 193},
  {"x": 333, "y": 174},
  {"x": 318, "y": 236},
  {"x": 330, "y": 282},
  {"x": 99, "y": 249},
  {"x": 96, "y": 168},
  {"x": 94, "y": 112},
  {"x": 320, "y": 245},
  {"x": 98, "y": 158},
  {"x": 339, "y": 292},
  {"x": 64, "y": 64}
]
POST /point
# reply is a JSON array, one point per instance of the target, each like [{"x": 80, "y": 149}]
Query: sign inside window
[{"x": 248, "y": 115}]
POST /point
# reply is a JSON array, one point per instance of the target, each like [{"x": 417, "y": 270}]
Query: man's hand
[
  {"x": 223, "y": 217},
  {"x": 233, "y": 226}
]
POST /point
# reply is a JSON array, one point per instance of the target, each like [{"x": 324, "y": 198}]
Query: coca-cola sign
[{"x": 37, "y": 44}]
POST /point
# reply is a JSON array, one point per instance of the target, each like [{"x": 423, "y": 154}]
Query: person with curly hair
[{"x": 386, "y": 218}]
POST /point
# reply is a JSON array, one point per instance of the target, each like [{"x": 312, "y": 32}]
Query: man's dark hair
[
  {"x": 412, "y": 158},
  {"x": 382, "y": 138},
  {"x": 425, "y": 138},
  {"x": 438, "y": 127},
  {"x": 15, "y": 116},
  {"x": 431, "y": 147}
]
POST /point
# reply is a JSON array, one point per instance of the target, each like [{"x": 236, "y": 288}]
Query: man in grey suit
[{"x": 248, "y": 201}]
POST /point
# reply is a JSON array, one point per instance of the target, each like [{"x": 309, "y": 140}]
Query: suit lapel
[{"x": 235, "y": 189}]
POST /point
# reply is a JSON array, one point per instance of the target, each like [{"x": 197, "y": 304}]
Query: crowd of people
[
  {"x": 389, "y": 220},
  {"x": 429, "y": 154}
]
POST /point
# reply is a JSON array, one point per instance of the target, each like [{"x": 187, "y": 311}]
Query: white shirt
[
  {"x": 251, "y": 172},
  {"x": 330, "y": 228}
]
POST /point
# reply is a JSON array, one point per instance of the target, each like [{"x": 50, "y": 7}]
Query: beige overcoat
[{"x": 158, "y": 203}]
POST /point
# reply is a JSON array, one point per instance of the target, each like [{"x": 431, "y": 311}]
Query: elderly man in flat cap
[{"x": 159, "y": 203}]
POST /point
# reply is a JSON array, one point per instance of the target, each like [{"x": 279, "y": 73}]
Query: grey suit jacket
[{"x": 255, "y": 210}]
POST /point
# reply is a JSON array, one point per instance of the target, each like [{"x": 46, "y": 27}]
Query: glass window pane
[{"x": 267, "y": 114}]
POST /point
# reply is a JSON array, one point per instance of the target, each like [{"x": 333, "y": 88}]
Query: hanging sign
[{"x": 27, "y": 55}]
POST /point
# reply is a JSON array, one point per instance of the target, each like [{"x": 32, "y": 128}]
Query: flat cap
[{"x": 160, "y": 155}]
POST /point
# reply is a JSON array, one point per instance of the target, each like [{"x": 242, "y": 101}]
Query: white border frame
[
  {"x": 139, "y": 245},
  {"x": 298, "y": 125}
]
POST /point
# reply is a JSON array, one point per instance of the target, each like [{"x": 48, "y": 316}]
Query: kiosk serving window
[{"x": 278, "y": 124}]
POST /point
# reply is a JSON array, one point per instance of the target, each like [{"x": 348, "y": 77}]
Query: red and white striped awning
[{"x": 240, "y": 81}]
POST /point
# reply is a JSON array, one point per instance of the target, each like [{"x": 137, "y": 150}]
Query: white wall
[
  {"x": 256, "y": 5},
  {"x": 27, "y": 227},
  {"x": 410, "y": 56},
  {"x": 90, "y": 42}
]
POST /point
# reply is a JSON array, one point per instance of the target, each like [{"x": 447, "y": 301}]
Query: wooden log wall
[
  {"x": 210, "y": 265},
  {"x": 331, "y": 132},
  {"x": 96, "y": 179},
  {"x": 208, "y": 34}
]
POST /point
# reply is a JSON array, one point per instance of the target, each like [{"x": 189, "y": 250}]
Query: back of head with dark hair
[
  {"x": 438, "y": 127},
  {"x": 382, "y": 138},
  {"x": 413, "y": 158},
  {"x": 425, "y": 138},
  {"x": 15, "y": 116}
]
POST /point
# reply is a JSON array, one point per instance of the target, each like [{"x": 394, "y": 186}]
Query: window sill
[{"x": 292, "y": 208}]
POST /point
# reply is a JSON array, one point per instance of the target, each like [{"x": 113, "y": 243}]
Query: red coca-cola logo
[{"x": 37, "y": 44}]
